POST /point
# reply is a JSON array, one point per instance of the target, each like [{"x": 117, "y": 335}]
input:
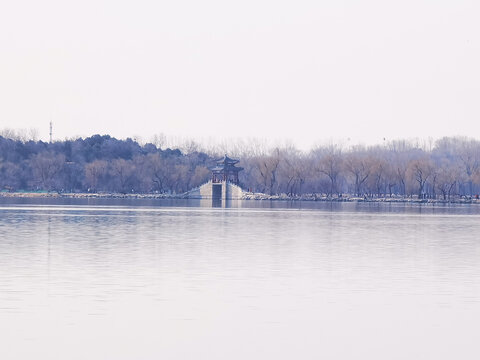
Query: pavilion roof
[
  {"x": 226, "y": 168},
  {"x": 226, "y": 160},
  {"x": 226, "y": 164}
]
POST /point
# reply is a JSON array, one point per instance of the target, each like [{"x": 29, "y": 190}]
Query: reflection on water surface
[{"x": 113, "y": 279}]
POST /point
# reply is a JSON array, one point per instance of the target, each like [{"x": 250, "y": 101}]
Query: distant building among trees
[
  {"x": 225, "y": 170},
  {"x": 446, "y": 169}
]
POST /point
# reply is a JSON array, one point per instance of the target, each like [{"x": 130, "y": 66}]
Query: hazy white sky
[{"x": 302, "y": 70}]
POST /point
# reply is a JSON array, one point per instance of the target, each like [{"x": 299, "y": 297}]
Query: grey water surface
[{"x": 152, "y": 279}]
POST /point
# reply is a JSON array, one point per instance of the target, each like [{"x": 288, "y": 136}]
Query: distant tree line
[
  {"x": 98, "y": 163},
  {"x": 448, "y": 168}
]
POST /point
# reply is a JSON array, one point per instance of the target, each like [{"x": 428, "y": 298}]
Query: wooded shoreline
[{"x": 447, "y": 170}]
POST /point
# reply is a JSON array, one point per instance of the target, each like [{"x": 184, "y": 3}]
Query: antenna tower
[{"x": 51, "y": 132}]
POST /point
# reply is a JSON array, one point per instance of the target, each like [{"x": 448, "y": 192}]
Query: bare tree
[
  {"x": 157, "y": 172},
  {"x": 359, "y": 165},
  {"x": 330, "y": 164},
  {"x": 94, "y": 172},
  {"x": 377, "y": 182},
  {"x": 449, "y": 174},
  {"x": 10, "y": 176},
  {"x": 420, "y": 170},
  {"x": 122, "y": 171},
  {"x": 267, "y": 167},
  {"x": 469, "y": 155},
  {"x": 291, "y": 171},
  {"x": 46, "y": 167}
]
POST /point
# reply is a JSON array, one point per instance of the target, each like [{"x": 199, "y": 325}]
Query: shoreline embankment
[{"x": 246, "y": 196}]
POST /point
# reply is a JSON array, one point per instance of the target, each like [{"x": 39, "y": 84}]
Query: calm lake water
[{"x": 104, "y": 279}]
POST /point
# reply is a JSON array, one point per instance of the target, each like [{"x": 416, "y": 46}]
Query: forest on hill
[{"x": 449, "y": 167}]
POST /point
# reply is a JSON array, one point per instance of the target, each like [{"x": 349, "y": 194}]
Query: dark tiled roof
[
  {"x": 227, "y": 168},
  {"x": 226, "y": 160}
]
